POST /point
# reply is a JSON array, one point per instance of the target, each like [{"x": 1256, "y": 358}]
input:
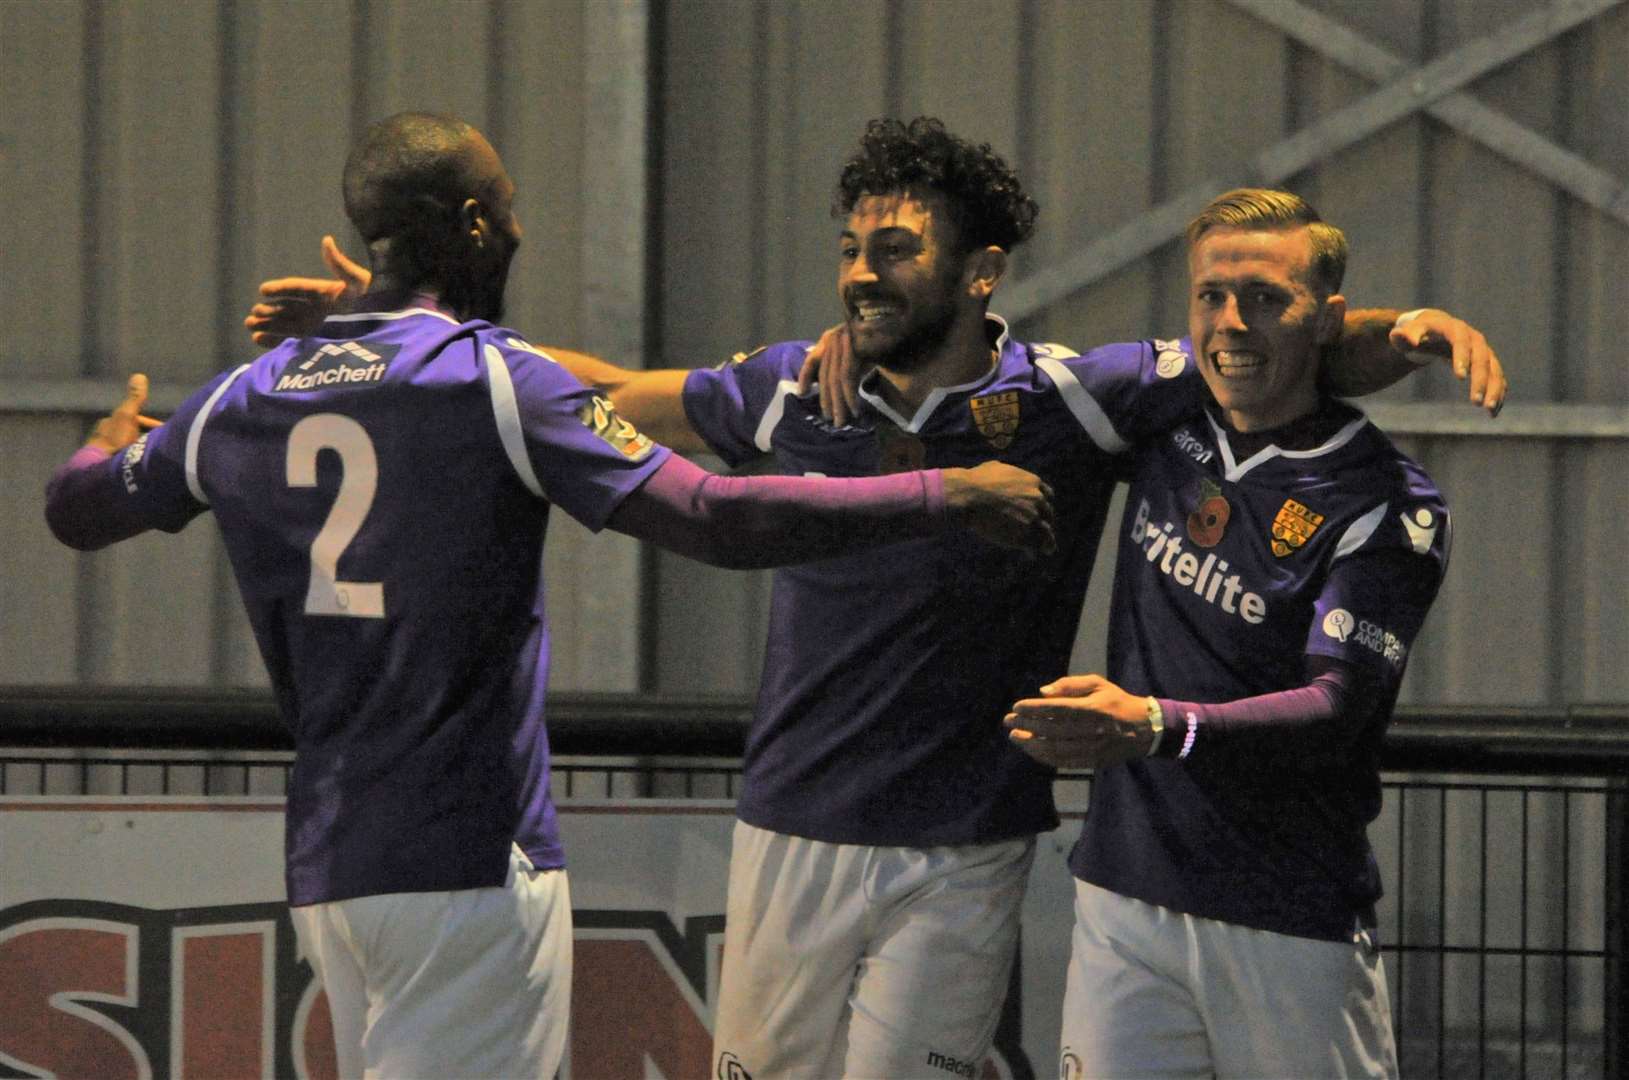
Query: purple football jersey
[
  {"x": 886, "y": 674},
  {"x": 1229, "y": 574},
  {"x": 383, "y": 491}
]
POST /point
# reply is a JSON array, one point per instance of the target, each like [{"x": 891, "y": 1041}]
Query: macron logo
[{"x": 343, "y": 363}]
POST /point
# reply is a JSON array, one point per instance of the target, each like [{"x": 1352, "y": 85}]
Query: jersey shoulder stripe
[
  {"x": 1083, "y": 406},
  {"x": 506, "y": 411},
  {"x": 764, "y": 434},
  {"x": 195, "y": 434}
]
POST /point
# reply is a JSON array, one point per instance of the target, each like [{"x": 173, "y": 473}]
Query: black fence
[{"x": 1503, "y": 840}]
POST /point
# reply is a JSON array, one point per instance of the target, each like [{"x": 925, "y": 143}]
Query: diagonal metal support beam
[
  {"x": 1572, "y": 173},
  {"x": 1340, "y": 129}
]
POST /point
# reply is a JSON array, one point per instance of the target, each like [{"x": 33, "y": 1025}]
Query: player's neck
[
  {"x": 965, "y": 357},
  {"x": 391, "y": 295},
  {"x": 399, "y": 282},
  {"x": 1307, "y": 431}
]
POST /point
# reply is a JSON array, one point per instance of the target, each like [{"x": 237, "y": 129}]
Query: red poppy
[{"x": 1206, "y": 524}]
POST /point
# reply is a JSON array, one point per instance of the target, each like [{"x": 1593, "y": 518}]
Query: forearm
[
  {"x": 82, "y": 504},
  {"x": 1364, "y": 360},
  {"x": 762, "y": 521},
  {"x": 653, "y": 401},
  {"x": 1322, "y": 717}
]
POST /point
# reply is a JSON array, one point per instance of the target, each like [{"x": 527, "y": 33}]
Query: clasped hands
[{"x": 1081, "y": 722}]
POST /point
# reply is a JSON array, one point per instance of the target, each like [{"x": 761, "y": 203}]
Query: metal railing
[{"x": 1503, "y": 838}]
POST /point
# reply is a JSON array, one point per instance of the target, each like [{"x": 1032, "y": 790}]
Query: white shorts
[
  {"x": 1156, "y": 993},
  {"x": 473, "y": 982},
  {"x": 856, "y": 961}
]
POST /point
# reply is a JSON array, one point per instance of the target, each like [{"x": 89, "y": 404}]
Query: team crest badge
[
  {"x": 1293, "y": 527},
  {"x": 1208, "y": 521},
  {"x": 996, "y": 416}
]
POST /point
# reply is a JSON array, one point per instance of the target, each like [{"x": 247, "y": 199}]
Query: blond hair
[{"x": 1265, "y": 208}]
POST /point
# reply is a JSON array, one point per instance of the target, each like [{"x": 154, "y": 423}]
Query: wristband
[
  {"x": 1156, "y": 720},
  {"x": 1188, "y": 736},
  {"x": 1415, "y": 356}
]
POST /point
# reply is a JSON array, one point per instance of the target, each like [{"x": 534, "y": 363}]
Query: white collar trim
[
  {"x": 386, "y": 316},
  {"x": 938, "y": 393},
  {"x": 1233, "y": 469}
]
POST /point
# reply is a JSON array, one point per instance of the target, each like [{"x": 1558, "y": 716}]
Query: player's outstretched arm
[
  {"x": 1380, "y": 346},
  {"x": 1086, "y": 721},
  {"x": 80, "y": 501},
  {"x": 296, "y": 306},
  {"x": 760, "y": 521},
  {"x": 652, "y": 400}
]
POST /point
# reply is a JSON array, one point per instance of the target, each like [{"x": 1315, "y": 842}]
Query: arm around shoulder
[
  {"x": 651, "y": 400},
  {"x": 1378, "y": 346}
]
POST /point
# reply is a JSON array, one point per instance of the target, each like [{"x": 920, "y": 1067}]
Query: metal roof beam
[
  {"x": 1335, "y": 42},
  {"x": 1340, "y": 129}
]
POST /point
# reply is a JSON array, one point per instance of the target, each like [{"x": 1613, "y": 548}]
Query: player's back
[{"x": 390, "y": 561}]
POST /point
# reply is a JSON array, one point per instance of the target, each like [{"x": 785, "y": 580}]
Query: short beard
[{"x": 918, "y": 347}]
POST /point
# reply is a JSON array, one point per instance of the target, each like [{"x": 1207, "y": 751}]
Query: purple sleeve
[
  {"x": 81, "y": 503},
  {"x": 567, "y": 442},
  {"x": 736, "y": 405},
  {"x": 1322, "y": 718},
  {"x": 95, "y": 499},
  {"x": 1376, "y": 596},
  {"x": 1125, "y": 393},
  {"x": 750, "y": 522}
]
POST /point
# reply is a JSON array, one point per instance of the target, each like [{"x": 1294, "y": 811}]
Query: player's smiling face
[
  {"x": 899, "y": 278},
  {"x": 1258, "y": 324}
]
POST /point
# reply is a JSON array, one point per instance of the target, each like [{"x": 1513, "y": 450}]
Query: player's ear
[
  {"x": 984, "y": 271},
  {"x": 1331, "y": 319},
  {"x": 471, "y": 222}
]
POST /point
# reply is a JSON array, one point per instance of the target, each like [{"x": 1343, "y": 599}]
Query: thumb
[
  {"x": 1072, "y": 686},
  {"x": 356, "y": 276},
  {"x": 135, "y": 394}
]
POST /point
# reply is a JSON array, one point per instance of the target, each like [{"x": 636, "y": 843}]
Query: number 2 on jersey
[{"x": 359, "y": 477}]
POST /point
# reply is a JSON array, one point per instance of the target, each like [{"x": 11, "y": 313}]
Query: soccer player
[
  {"x": 886, "y": 827},
  {"x": 1278, "y": 557},
  {"x": 383, "y": 489}
]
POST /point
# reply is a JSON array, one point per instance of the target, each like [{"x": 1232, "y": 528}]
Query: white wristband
[
  {"x": 1416, "y": 357},
  {"x": 1156, "y": 720}
]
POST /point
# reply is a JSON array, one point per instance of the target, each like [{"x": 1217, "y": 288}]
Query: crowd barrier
[{"x": 1503, "y": 846}]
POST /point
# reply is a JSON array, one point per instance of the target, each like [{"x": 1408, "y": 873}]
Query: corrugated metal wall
[
  {"x": 158, "y": 158},
  {"x": 1110, "y": 108}
]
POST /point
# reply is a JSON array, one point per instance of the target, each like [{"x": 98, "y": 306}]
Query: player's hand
[
  {"x": 832, "y": 363},
  {"x": 1081, "y": 722},
  {"x": 296, "y": 306},
  {"x": 1003, "y": 504},
  {"x": 124, "y": 425},
  {"x": 1436, "y": 332}
]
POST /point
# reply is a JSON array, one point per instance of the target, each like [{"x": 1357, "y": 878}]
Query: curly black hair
[{"x": 987, "y": 202}]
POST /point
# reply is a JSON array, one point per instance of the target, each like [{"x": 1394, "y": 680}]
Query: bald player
[{"x": 383, "y": 487}]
